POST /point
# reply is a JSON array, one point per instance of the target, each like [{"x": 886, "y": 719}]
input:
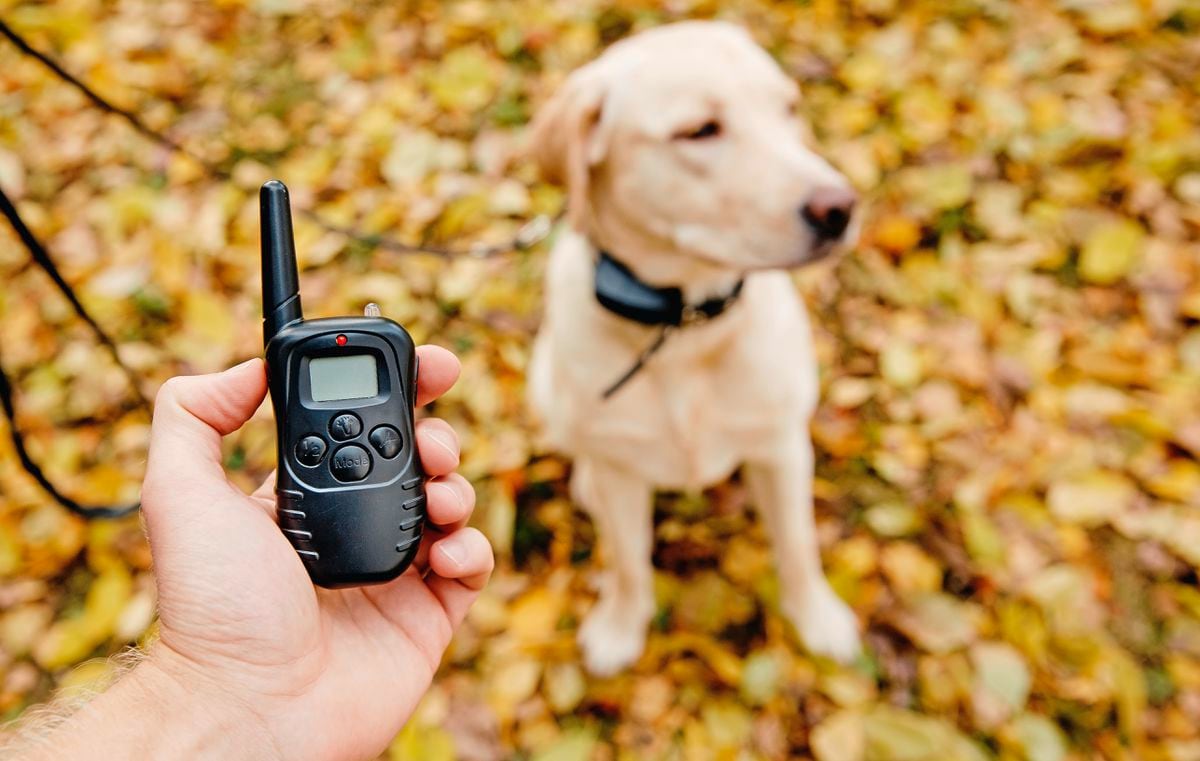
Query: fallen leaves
[
  {"x": 1009, "y": 425},
  {"x": 938, "y": 623},
  {"x": 1091, "y": 498},
  {"x": 891, "y": 734},
  {"x": 1002, "y": 681},
  {"x": 1110, "y": 252}
]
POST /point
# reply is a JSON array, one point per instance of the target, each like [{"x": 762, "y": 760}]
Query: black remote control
[{"x": 350, "y": 491}]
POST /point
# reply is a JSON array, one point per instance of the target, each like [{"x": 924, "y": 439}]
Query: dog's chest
[
  {"x": 700, "y": 411},
  {"x": 702, "y": 428}
]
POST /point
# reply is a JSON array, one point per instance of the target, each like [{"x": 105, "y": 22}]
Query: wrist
[
  {"x": 163, "y": 710},
  {"x": 210, "y": 720}
]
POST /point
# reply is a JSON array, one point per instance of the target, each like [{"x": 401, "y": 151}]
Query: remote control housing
[{"x": 359, "y": 528}]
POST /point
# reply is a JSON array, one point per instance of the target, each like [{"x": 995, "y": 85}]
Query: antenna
[{"x": 280, "y": 282}]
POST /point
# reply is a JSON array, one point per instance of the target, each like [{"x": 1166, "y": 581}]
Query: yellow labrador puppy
[{"x": 674, "y": 347}]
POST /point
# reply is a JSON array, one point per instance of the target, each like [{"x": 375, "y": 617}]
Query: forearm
[{"x": 153, "y": 712}]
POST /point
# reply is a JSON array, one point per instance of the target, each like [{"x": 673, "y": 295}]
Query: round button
[
  {"x": 310, "y": 450},
  {"x": 345, "y": 426},
  {"x": 386, "y": 440},
  {"x": 350, "y": 463}
]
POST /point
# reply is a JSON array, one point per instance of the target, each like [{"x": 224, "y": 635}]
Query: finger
[
  {"x": 437, "y": 444},
  {"x": 460, "y": 566},
  {"x": 464, "y": 556},
  {"x": 437, "y": 370},
  {"x": 191, "y": 414},
  {"x": 445, "y": 516},
  {"x": 265, "y": 494},
  {"x": 450, "y": 500}
]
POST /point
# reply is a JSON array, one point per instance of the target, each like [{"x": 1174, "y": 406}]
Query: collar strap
[{"x": 621, "y": 292}]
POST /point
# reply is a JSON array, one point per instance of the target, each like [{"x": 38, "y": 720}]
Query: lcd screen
[{"x": 332, "y": 379}]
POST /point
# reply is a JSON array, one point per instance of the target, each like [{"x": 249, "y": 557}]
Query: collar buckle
[{"x": 693, "y": 315}]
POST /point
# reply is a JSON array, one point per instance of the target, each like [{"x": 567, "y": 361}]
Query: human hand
[{"x": 318, "y": 674}]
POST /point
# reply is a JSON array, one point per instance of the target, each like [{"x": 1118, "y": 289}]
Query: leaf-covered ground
[{"x": 1009, "y": 492}]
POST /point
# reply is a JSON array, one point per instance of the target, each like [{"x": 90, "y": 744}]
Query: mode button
[{"x": 350, "y": 463}]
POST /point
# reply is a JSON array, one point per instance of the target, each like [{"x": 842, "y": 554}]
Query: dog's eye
[{"x": 711, "y": 128}]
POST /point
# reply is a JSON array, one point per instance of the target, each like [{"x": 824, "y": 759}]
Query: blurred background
[{"x": 1008, "y": 487}]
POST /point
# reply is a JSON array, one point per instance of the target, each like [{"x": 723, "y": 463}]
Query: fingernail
[
  {"x": 454, "y": 552},
  {"x": 446, "y": 441},
  {"x": 448, "y": 489},
  {"x": 240, "y": 365}
]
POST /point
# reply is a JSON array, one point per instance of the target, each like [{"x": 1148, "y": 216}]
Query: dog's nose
[{"x": 828, "y": 210}]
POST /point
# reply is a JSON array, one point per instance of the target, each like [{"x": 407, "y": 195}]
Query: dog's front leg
[
  {"x": 781, "y": 485},
  {"x": 614, "y": 634}
]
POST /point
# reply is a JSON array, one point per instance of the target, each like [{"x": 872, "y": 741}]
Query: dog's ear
[{"x": 566, "y": 138}]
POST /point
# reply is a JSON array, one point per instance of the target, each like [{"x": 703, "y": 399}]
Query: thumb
[{"x": 191, "y": 414}]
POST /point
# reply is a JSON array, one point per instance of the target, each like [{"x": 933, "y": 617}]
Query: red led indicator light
[{"x": 340, "y": 340}]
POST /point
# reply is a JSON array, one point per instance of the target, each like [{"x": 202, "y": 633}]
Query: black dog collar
[{"x": 621, "y": 292}]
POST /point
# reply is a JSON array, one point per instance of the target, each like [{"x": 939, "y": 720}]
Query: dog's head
[{"x": 684, "y": 140}]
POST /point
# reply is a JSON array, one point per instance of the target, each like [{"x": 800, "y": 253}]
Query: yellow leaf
[
  {"x": 1037, "y": 738},
  {"x": 564, "y": 686},
  {"x": 938, "y": 623},
  {"x": 10, "y": 549},
  {"x": 64, "y": 643},
  {"x": 535, "y": 615},
  {"x": 728, "y": 723},
  {"x": 909, "y": 570},
  {"x": 901, "y": 364},
  {"x": 1002, "y": 682},
  {"x": 1180, "y": 482},
  {"x": 22, "y": 626},
  {"x": 422, "y": 742},
  {"x": 896, "y": 234},
  {"x": 893, "y": 734},
  {"x": 106, "y": 598},
  {"x": 574, "y": 745},
  {"x": 841, "y": 737},
  {"x": 1091, "y": 498},
  {"x": 513, "y": 682},
  {"x": 1110, "y": 252}
]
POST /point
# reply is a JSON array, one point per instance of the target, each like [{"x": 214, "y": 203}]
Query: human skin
[{"x": 253, "y": 661}]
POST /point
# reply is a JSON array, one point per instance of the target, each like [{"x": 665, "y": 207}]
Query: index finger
[{"x": 437, "y": 370}]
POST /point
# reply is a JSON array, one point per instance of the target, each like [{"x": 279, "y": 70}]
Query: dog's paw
[
  {"x": 610, "y": 641},
  {"x": 826, "y": 625}
]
